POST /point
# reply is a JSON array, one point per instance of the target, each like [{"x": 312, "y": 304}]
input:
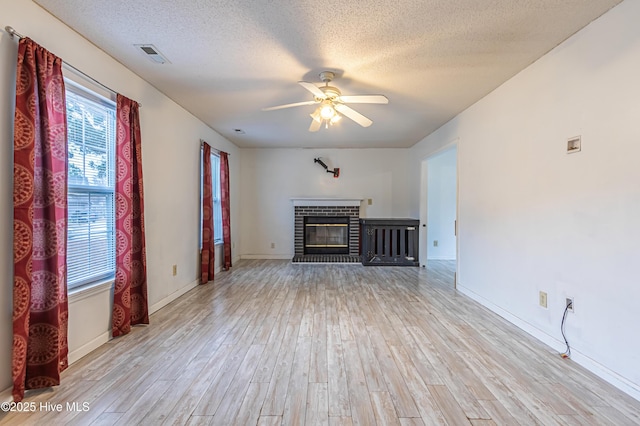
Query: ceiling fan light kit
[
  {"x": 327, "y": 111},
  {"x": 332, "y": 104}
]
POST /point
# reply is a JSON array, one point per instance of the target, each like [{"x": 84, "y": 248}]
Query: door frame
[{"x": 424, "y": 197}]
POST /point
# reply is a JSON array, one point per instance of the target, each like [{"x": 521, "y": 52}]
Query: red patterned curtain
[
  {"x": 226, "y": 210},
  {"x": 207, "y": 254},
  {"x": 130, "y": 294},
  {"x": 40, "y": 312}
]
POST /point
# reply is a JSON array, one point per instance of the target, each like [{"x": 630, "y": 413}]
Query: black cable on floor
[{"x": 567, "y": 353}]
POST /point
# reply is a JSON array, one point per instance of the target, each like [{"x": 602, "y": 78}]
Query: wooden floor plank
[
  {"x": 412, "y": 421},
  {"x": 318, "y": 368},
  {"x": 396, "y": 385},
  {"x": 270, "y": 421},
  {"x": 273, "y": 343},
  {"x": 279, "y": 384},
  {"x": 190, "y": 399},
  {"x": 210, "y": 401},
  {"x": 439, "y": 355},
  {"x": 359, "y": 397},
  {"x": 107, "y": 419},
  {"x": 340, "y": 421},
  {"x": 482, "y": 422},
  {"x": 230, "y": 404},
  {"x": 499, "y": 413},
  {"x": 198, "y": 421},
  {"x": 614, "y": 416},
  {"x": 249, "y": 411},
  {"x": 383, "y": 409},
  {"x": 429, "y": 411},
  {"x": 264, "y": 370},
  {"x": 337, "y": 375},
  {"x": 144, "y": 403},
  {"x": 449, "y": 407},
  {"x": 370, "y": 365},
  {"x": 296, "y": 402},
  {"x": 317, "y": 405}
]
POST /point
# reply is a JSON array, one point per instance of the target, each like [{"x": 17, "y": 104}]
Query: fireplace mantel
[{"x": 326, "y": 202}]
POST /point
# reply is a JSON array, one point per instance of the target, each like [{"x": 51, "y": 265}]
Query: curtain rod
[
  {"x": 202, "y": 142},
  {"x": 13, "y": 33}
]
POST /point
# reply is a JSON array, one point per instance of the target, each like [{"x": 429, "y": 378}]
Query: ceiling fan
[{"x": 332, "y": 104}]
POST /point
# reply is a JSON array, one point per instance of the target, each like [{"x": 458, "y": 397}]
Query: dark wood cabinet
[{"x": 389, "y": 242}]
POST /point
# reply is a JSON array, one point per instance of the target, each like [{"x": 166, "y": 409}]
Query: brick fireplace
[{"x": 309, "y": 212}]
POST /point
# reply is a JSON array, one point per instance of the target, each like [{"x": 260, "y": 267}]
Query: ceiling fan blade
[
  {"x": 313, "y": 89},
  {"x": 290, "y": 105},
  {"x": 354, "y": 115},
  {"x": 315, "y": 125},
  {"x": 365, "y": 99}
]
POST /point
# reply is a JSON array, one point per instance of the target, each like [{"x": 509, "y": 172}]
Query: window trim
[
  {"x": 219, "y": 241},
  {"x": 87, "y": 91},
  {"x": 80, "y": 292},
  {"x": 218, "y": 191}
]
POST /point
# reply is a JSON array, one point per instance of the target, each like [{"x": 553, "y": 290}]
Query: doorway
[{"x": 439, "y": 208}]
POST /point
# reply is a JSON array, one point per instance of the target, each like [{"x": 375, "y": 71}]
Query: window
[
  {"x": 217, "y": 204},
  {"x": 91, "y": 186}
]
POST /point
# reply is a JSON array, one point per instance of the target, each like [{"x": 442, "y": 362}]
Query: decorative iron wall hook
[{"x": 335, "y": 171}]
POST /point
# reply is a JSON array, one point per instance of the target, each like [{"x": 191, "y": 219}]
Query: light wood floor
[{"x": 273, "y": 343}]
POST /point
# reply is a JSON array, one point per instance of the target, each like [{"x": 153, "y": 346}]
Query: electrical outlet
[
  {"x": 273, "y": 245},
  {"x": 569, "y": 304},
  {"x": 435, "y": 243},
  {"x": 175, "y": 270},
  {"x": 543, "y": 299},
  {"x": 369, "y": 201}
]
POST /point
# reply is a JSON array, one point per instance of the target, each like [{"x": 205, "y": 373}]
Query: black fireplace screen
[{"x": 326, "y": 235}]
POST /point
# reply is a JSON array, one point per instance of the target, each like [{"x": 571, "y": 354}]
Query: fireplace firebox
[
  {"x": 334, "y": 242},
  {"x": 326, "y": 235}
]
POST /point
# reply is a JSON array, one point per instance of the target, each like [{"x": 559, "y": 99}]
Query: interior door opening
[{"x": 439, "y": 212}]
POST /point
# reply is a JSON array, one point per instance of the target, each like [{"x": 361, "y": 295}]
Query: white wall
[
  {"x": 271, "y": 177},
  {"x": 532, "y": 217},
  {"x": 171, "y": 152},
  {"x": 441, "y": 205}
]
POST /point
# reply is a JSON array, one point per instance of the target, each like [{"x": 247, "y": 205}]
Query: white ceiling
[{"x": 231, "y": 58}]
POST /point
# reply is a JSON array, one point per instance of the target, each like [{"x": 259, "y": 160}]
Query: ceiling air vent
[{"x": 151, "y": 52}]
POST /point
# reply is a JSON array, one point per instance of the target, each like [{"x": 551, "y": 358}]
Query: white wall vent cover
[{"x": 151, "y": 52}]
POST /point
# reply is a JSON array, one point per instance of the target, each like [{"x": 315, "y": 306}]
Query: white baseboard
[
  {"x": 606, "y": 374},
  {"x": 268, "y": 256},
  {"x": 106, "y": 336},
  {"x": 535, "y": 332},
  {"x": 173, "y": 296},
  {"x": 593, "y": 366},
  {"x": 7, "y": 394},
  {"x": 441, "y": 258},
  {"x": 89, "y": 347}
]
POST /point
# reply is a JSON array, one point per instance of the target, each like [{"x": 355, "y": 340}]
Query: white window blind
[
  {"x": 217, "y": 204},
  {"x": 91, "y": 186}
]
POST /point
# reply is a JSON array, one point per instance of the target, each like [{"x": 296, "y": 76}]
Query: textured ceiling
[{"x": 231, "y": 58}]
